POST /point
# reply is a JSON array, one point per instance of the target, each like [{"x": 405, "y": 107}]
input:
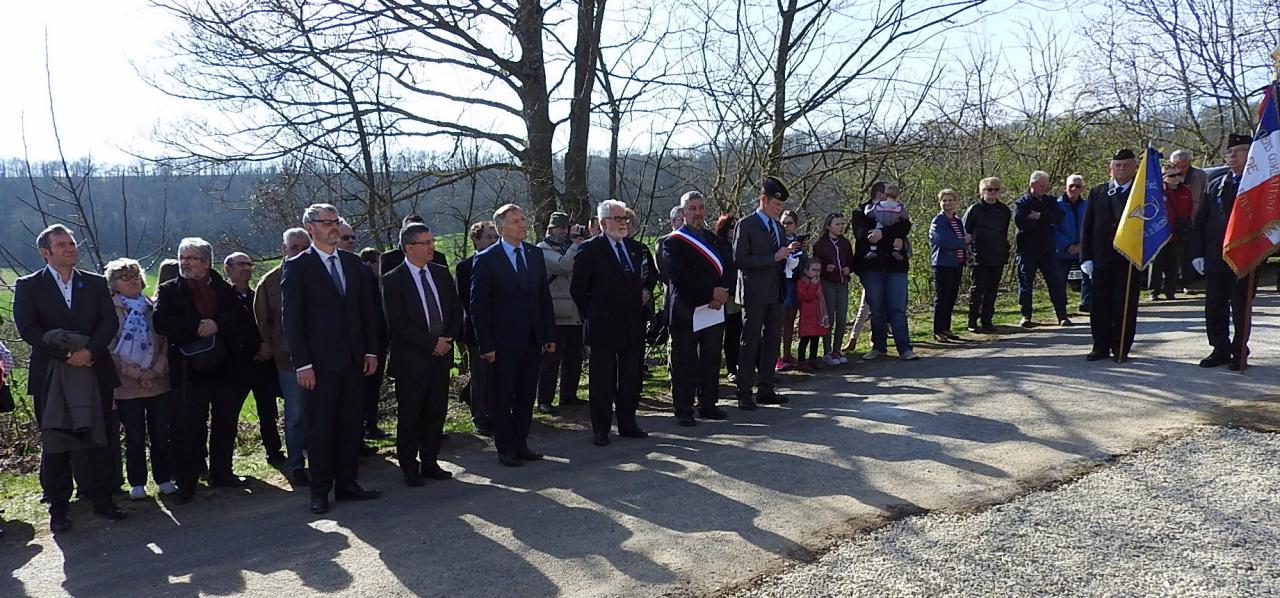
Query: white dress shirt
[
  {"x": 414, "y": 272},
  {"x": 64, "y": 287}
]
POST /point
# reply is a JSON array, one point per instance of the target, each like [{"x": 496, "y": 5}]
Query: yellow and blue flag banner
[{"x": 1145, "y": 226}]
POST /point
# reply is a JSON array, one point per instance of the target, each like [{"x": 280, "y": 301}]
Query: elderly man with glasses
[
  {"x": 252, "y": 357},
  {"x": 1066, "y": 238}
]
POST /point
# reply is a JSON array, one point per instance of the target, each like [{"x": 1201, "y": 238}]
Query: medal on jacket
[{"x": 700, "y": 246}]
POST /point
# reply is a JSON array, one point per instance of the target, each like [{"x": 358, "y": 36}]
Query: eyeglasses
[
  {"x": 616, "y": 218},
  {"x": 128, "y": 277},
  {"x": 326, "y": 221},
  {"x": 348, "y": 237},
  {"x": 1074, "y": 186},
  {"x": 421, "y": 243},
  {"x": 992, "y": 189},
  {"x": 249, "y": 264}
]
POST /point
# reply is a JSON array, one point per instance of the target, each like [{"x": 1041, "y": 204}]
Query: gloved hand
[
  {"x": 1087, "y": 267},
  {"x": 1198, "y": 264}
]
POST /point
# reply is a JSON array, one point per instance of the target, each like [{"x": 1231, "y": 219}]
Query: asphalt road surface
[{"x": 688, "y": 510}]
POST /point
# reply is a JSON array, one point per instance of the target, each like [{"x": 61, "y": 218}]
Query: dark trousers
[
  {"x": 199, "y": 406},
  {"x": 92, "y": 471},
  {"x": 515, "y": 375},
  {"x": 982, "y": 295},
  {"x": 732, "y": 341},
  {"x": 146, "y": 419},
  {"x": 373, "y": 396},
  {"x": 695, "y": 367},
  {"x": 422, "y": 402},
  {"x": 565, "y": 364},
  {"x": 615, "y": 386},
  {"x": 946, "y": 284},
  {"x": 761, "y": 340},
  {"x": 334, "y": 409},
  {"x": 261, "y": 378},
  {"x": 478, "y": 388},
  {"x": 1165, "y": 268},
  {"x": 1224, "y": 299},
  {"x": 1046, "y": 263},
  {"x": 1107, "y": 315}
]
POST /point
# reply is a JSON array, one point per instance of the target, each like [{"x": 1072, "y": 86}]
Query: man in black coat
[
  {"x": 422, "y": 304},
  {"x": 699, "y": 269},
  {"x": 61, "y": 297},
  {"x": 1224, "y": 293},
  {"x": 329, "y": 322},
  {"x": 1109, "y": 268},
  {"x": 254, "y": 370},
  {"x": 609, "y": 292},
  {"x": 395, "y": 257},
  {"x": 478, "y": 389},
  {"x": 511, "y": 311},
  {"x": 1036, "y": 213}
]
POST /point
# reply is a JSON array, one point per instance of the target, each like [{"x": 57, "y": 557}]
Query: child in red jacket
[{"x": 815, "y": 322}]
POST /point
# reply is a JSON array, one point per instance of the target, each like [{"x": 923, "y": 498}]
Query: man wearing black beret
[
  {"x": 1224, "y": 294},
  {"x": 1109, "y": 269}
]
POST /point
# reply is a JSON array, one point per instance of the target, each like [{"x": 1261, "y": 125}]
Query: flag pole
[
  {"x": 1122, "y": 354},
  {"x": 1243, "y": 342}
]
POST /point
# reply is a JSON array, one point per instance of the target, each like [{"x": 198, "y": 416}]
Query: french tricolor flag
[{"x": 1253, "y": 232}]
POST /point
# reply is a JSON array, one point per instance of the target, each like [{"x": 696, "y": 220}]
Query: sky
[{"x": 105, "y": 110}]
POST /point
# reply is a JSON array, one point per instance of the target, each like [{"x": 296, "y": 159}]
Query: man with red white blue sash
[{"x": 700, "y": 268}]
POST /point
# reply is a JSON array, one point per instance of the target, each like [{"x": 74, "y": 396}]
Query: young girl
[
  {"x": 835, "y": 253},
  {"x": 815, "y": 322}
]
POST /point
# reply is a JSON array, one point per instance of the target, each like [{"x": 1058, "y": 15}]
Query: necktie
[
  {"x": 434, "y": 320},
  {"x": 337, "y": 278},
  {"x": 777, "y": 238},
  {"x": 522, "y": 269},
  {"x": 622, "y": 257}
]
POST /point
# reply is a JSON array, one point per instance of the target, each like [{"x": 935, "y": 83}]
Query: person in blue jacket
[
  {"x": 1066, "y": 236},
  {"x": 950, "y": 248}
]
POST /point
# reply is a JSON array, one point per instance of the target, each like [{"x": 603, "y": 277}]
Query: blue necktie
[
  {"x": 622, "y": 257},
  {"x": 333, "y": 272},
  {"x": 522, "y": 269}
]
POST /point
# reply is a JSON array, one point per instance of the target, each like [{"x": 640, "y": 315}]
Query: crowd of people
[{"x": 752, "y": 295}]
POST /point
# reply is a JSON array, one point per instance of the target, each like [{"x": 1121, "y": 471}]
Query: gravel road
[{"x": 1198, "y": 516}]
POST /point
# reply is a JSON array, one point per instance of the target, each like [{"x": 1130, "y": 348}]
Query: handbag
[{"x": 203, "y": 354}]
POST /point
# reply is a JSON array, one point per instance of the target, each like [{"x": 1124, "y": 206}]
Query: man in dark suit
[
  {"x": 1108, "y": 268},
  {"x": 476, "y": 392},
  {"x": 329, "y": 321},
  {"x": 511, "y": 311},
  {"x": 759, "y": 254},
  {"x": 59, "y": 296},
  {"x": 1224, "y": 293},
  {"x": 422, "y": 306},
  {"x": 252, "y": 367},
  {"x": 370, "y": 407},
  {"x": 609, "y": 293},
  {"x": 700, "y": 271}
]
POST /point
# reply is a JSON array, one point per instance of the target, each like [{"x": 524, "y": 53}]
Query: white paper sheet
[{"x": 705, "y": 317}]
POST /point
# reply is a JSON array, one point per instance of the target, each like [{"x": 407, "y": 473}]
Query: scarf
[
  {"x": 202, "y": 294},
  {"x": 134, "y": 343}
]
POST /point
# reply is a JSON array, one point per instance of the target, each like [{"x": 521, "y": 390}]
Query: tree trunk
[
  {"x": 773, "y": 157},
  {"x": 577, "y": 200},
  {"x": 537, "y": 159}
]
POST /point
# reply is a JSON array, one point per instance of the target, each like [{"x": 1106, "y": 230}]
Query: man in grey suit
[{"x": 759, "y": 255}]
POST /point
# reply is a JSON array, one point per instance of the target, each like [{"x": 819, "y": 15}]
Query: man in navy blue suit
[
  {"x": 329, "y": 322},
  {"x": 514, "y": 323}
]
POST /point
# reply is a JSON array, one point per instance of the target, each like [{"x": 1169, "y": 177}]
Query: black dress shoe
[
  {"x": 300, "y": 477},
  {"x": 484, "y": 430},
  {"x": 600, "y": 439},
  {"x": 633, "y": 433},
  {"x": 686, "y": 421},
  {"x": 436, "y": 473},
  {"x": 712, "y": 412},
  {"x": 355, "y": 492},
  {"x": 414, "y": 479},
  {"x": 770, "y": 398},
  {"x": 530, "y": 455},
  {"x": 1214, "y": 360},
  {"x": 1097, "y": 355},
  {"x": 548, "y": 409},
  {"x": 747, "y": 405},
  {"x": 110, "y": 511},
  {"x": 376, "y": 434},
  {"x": 319, "y": 505},
  {"x": 510, "y": 460},
  {"x": 951, "y": 335},
  {"x": 184, "y": 496},
  {"x": 573, "y": 402},
  {"x": 276, "y": 458},
  {"x": 59, "y": 523}
]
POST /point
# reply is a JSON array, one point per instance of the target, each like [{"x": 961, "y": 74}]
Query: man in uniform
[
  {"x": 1224, "y": 294},
  {"x": 1110, "y": 270}
]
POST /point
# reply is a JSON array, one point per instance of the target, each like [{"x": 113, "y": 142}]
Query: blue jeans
[
  {"x": 295, "y": 421},
  {"x": 887, "y": 298},
  {"x": 1046, "y": 263}
]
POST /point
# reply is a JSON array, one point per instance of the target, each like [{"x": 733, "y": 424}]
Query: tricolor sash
[{"x": 700, "y": 246}]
